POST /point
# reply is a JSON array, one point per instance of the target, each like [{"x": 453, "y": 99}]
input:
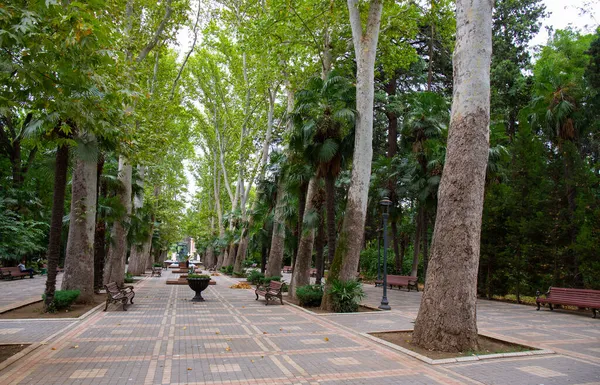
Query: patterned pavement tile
[{"x": 231, "y": 339}]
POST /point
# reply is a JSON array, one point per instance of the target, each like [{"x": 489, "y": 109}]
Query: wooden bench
[
  {"x": 156, "y": 270},
  {"x": 400, "y": 280},
  {"x": 287, "y": 269},
  {"x": 274, "y": 290},
  {"x": 13, "y": 272},
  {"x": 115, "y": 294},
  {"x": 571, "y": 297}
]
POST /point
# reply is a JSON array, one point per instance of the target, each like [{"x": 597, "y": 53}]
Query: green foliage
[
  {"x": 309, "y": 295},
  {"x": 255, "y": 277},
  {"x": 157, "y": 264},
  {"x": 203, "y": 276},
  {"x": 346, "y": 295},
  {"x": 239, "y": 274},
  {"x": 128, "y": 278},
  {"x": 63, "y": 299}
]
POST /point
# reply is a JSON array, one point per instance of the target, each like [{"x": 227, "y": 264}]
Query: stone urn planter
[{"x": 198, "y": 283}]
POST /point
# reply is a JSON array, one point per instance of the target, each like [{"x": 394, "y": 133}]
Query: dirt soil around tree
[
  {"x": 35, "y": 310},
  {"x": 7, "y": 351},
  {"x": 487, "y": 345}
]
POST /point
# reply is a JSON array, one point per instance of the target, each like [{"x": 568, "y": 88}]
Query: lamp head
[{"x": 385, "y": 204}]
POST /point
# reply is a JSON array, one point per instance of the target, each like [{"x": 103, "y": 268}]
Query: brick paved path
[
  {"x": 23, "y": 291},
  {"x": 232, "y": 339}
]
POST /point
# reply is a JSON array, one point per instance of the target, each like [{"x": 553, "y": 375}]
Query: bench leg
[
  {"x": 106, "y": 307},
  {"x": 594, "y": 312},
  {"x": 124, "y": 302},
  {"x": 550, "y": 306},
  {"x": 538, "y": 306},
  {"x": 132, "y": 298},
  {"x": 281, "y": 300},
  {"x": 256, "y": 296}
]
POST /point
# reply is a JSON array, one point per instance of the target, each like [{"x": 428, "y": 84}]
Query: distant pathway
[{"x": 232, "y": 339}]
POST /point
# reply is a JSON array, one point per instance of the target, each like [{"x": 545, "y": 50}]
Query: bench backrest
[
  {"x": 403, "y": 278},
  {"x": 112, "y": 287},
  {"x": 560, "y": 293},
  {"x": 11, "y": 270},
  {"x": 275, "y": 285}
]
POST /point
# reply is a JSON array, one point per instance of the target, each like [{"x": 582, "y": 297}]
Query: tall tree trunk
[
  {"x": 350, "y": 242},
  {"x": 425, "y": 240},
  {"x": 100, "y": 235},
  {"x": 137, "y": 257},
  {"x": 447, "y": 318},
  {"x": 414, "y": 272},
  {"x": 58, "y": 209},
  {"x": 320, "y": 245},
  {"x": 330, "y": 203},
  {"x": 301, "y": 272},
  {"x": 79, "y": 259},
  {"x": 403, "y": 242},
  {"x": 241, "y": 254},
  {"x": 395, "y": 239},
  {"x": 278, "y": 238},
  {"x": 114, "y": 271}
]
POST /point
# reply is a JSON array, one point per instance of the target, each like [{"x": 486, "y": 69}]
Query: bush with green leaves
[
  {"x": 128, "y": 278},
  {"x": 203, "y": 276},
  {"x": 239, "y": 274},
  {"x": 266, "y": 280},
  {"x": 157, "y": 264},
  {"x": 346, "y": 295},
  {"x": 309, "y": 295},
  {"x": 255, "y": 277},
  {"x": 63, "y": 299}
]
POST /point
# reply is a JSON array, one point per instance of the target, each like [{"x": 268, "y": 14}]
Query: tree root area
[
  {"x": 487, "y": 345},
  {"x": 36, "y": 310},
  {"x": 7, "y": 351}
]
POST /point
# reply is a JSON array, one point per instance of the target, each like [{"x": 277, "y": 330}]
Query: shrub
[
  {"x": 229, "y": 270},
  {"x": 346, "y": 295},
  {"x": 310, "y": 295},
  {"x": 255, "y": 277},
  {"x": 266, "y": 280},
  {"x": 248, "y": 262},
  {"x": 239, "y": 274},
  {"x": 128, "y": 278},
  {"x": 198, "y": 276},
  {"x": 63, "y": 299},
  {"x": 157, "y": 264}
]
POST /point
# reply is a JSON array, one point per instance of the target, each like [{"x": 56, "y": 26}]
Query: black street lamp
[
  {"x": 385, "y": 208},
  {"x": 378, "y": 257}
]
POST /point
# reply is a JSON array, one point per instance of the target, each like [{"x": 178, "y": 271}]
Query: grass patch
[{"x": 487, "y": 345}]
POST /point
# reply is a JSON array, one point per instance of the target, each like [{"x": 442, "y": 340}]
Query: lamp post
[
  {"x": 378, "y": 255},
  {"x": 385, "y": 208}
]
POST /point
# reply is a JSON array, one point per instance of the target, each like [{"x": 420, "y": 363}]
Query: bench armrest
[{"x": 126, "y": 288}]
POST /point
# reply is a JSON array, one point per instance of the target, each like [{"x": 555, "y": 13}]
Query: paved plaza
[{"x": 232, "y": 339}]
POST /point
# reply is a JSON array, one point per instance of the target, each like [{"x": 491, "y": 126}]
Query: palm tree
[{"x": 324, "y": 125}]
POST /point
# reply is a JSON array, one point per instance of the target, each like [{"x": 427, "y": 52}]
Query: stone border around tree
[{"x": 430, "y": 361}]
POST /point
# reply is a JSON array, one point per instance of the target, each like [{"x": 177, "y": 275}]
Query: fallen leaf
[
  {"x": 53, "y": 348},
  {"x": 228, "y": 349},
  {"x": 280, "y": 329},
  {"x": 189, "y": 368},
  {"x": 264, "y": 332},
  {"x": 185, "y": 328},
  {"x": 326, "y": 339},
  {"x": 75, "y": 347},
  {"x": 251, "y": 360},
  {"x": 217, "y": 333}
]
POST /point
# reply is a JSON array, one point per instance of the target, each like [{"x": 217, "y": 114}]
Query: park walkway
[{"x": 232, "y": 339}]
